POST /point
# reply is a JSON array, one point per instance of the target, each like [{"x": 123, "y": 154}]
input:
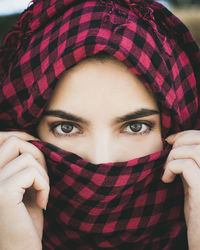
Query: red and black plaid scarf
[{"x": 117, "y": 205}]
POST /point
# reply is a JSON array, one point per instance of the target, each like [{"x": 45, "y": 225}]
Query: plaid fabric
[
  {"x": 111, "y": 206},
  {"x": 52, "y": 36},
  {"x": 123, "y": 205}
]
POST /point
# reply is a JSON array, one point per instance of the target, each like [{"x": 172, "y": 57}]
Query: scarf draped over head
[{"x": 117, "y": 205}]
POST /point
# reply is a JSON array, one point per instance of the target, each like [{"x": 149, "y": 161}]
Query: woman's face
[{"x": 103, "y": 113}]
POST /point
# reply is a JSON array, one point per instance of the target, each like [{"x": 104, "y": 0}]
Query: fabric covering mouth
[
  {"x": 110, "y": 206},
  {"x": 116, "y": 205},
  {"x": 53, "y": 36}
]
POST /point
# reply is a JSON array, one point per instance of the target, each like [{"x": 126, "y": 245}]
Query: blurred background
[{"x": 186, "y": 10}]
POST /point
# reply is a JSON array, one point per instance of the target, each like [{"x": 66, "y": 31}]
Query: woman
[{"x": 108, "y": 81}]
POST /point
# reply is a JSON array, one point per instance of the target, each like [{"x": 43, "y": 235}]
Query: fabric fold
[
  {"x": 115, "y": 204},
  {"x": 107, "y": 206}
]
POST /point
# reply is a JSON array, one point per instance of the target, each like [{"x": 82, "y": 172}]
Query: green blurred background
[
  {"x": 187, "y": 10},
  {"x": 6, "y": 23}
]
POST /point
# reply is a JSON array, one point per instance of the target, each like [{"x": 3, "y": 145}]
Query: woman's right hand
[{"x": 24, "y": 190}]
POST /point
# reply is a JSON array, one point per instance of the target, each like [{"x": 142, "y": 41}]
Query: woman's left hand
[{"x": 184, "y": 159}]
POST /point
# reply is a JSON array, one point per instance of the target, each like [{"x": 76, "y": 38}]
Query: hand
[
  {"x": 24, "y": 189},
  {"x": 184, "y": 159}
]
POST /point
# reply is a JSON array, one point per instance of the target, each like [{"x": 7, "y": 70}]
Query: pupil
[
  {"x": 136, "y": 127},
  {"x": 66, "y": 128}
]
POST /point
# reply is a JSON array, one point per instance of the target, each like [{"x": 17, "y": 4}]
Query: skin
[
  {"x": 24, "y": 189},
  {"x": 24, "y": 184},
  {"x": 118, "y": 118},
  {"x": 184, "y": 159}
]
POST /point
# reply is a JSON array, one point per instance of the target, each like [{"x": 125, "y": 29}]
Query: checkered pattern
[
  {"x": 119, "y": 206},
  {"x": 111, "y": 206}
]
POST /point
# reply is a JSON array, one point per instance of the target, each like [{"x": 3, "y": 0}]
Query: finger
[
  {"x": 18, "y": 164},
  {"x": 188, "y": 137},
  {"x": 185, "y": 152},
  {"x": 24, "y": 179},
  {"x": 185, "y": 167},
  {"x": 14, "y": 146},
  {"x": 29, "y": 200},
  {"x": 22, "y": 135}
]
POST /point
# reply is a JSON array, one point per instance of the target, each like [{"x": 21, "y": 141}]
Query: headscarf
[{"x": 122, "y": 205}]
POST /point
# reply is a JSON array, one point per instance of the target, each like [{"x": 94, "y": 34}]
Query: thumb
[{"x": 171, "y": 139}]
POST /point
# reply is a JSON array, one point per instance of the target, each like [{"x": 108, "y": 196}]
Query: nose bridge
[{"x": 102, "y": 148}]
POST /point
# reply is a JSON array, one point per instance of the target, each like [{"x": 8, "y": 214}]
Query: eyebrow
[
  {"x": 136, "y": 115},
  {"x": 65, "y": 115},
  {"x": 130, "y": 116}
]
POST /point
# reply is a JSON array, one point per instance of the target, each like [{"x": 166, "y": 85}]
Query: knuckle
[
  {"x": 40, "y": 154},
  {"x": 19, "y": 134},
  {"x": 12, "y": 140},
  {"x": 27, "y": 156},
  {"x": 32, "y": 171},
  {"x": 23, "y": 133},
  {"x": 45, "y": 176},
  {"x": 11, "y": 143},
  {"x": 172, "y": 154},
  {"x": 36, "y": 153},
  {"x": 26, "y": 134},
  {"x": 170, "y": 166}
]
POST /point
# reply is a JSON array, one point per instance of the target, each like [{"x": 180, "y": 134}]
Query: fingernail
[
  {"x": 163, "y": 178},
  {"x": 45, "y": 206},
  {"x": 170, "y": 139},
  {"x": 163, "y": 173},
  {"x": 44, "y": 203}
]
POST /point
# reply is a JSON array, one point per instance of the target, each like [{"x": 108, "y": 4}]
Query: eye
[
  {"x": 138, "y": 127},
  {"x": 64, "y": 129}
]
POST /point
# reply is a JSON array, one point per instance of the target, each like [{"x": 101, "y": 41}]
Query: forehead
[{"x": 96, "y": 85}]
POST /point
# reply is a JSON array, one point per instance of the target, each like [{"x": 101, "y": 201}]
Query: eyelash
[
  {"x": 55, "y": 125},
  {"x": 148, "y": 124}
]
